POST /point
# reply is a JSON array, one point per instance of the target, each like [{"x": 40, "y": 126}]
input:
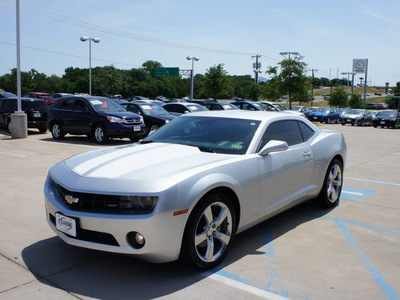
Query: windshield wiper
[{"x": 205, "y": 149}]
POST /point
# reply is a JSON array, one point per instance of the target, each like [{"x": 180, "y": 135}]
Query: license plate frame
[
  {"x": 67, "y": 224},
  {"x": 136, "y": 128}
]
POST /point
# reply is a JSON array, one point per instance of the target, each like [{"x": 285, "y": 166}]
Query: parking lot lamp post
[
  {"x": 90, "y": 39},
  {"x": 192, "y": 58}
]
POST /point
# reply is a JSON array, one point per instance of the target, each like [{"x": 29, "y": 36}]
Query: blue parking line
[
  {"x": 354, "y": 194},
  {"x": 378, "y": 277}
]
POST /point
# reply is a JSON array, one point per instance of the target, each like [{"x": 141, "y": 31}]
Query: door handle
[{"x": 307, "y": 154}]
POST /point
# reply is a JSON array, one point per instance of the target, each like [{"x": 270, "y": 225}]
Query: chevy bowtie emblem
[{"x": 70, "y": 199}]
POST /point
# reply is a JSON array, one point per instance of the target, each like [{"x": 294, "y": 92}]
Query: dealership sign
[{"x": 360, "y": 65}]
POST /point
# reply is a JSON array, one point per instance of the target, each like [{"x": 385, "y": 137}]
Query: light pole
[
  {"x": 312, "y": 86},
  {"x": 90, "y": 39},
  {"x": 292, "y": 75},
  {"x": 192, "y": 58}
]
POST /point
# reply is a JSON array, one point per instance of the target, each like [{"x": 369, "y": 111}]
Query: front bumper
[
  {"x": 118, "y": 130},
  {"x": 162, "y": 231}
]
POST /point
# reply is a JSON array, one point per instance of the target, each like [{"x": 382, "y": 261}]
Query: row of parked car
[{"x": 360, "y": 117}]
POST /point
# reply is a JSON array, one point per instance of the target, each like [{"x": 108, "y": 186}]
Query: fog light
[{"x": 135, "y": 239}]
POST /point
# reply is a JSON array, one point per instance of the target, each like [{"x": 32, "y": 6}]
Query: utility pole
[
  {"x": 312, "y": 86},
  {"x": 256, "y": 67}
]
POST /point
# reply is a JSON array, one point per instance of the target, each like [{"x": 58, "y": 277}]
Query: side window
[
  {"x": 306, "y": 131},
  {"x": 80, "y": 106},
  {"x": 68, "y": 104},
  {"x": 217, "y": 107},
  {"x": 287, "y": 131}
]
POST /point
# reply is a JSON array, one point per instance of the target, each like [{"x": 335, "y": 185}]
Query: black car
[
  {"x": 7, "y": 95},
  {"x": 180, "y": 108},
  {"x": 220, "y": 106},
  {"x": 100, "y": 117},
  {"x": 249, "y": 105},
  {"x": 35, "y": 109},
  {"x": 153, "y": 114},
  {"x": 387, "y": 118},
  {"x": 358, "y": 117}
]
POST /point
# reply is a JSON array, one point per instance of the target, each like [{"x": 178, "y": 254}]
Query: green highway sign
[{"x": 167, "y": 72}]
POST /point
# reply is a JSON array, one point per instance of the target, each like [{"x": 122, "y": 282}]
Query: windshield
[
  {"x": 296, "y": 108},
  {"x": 106, "y": 105},
  {"x": 228, "y": 106},
  {"x": 355, "y": 112},
  {"x": 151, "y": 109},
  {"x": 322, "y": 109},
  {"x": 196, "y": 107},
  {"x": 209, "y": 134},
  {"x": 387, "y": 114},
  {"x": 280, "y": 106}
]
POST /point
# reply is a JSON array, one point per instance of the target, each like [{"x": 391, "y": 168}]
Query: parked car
[
  {"x": 180, "y": 108},
  {"x": 133, "y": 98},
  {"x": 280, "y": 107},
  {"x": 249, "y": 105},
  {"x": 186, "y": 190},
  {"x": 44, "y": 96},
  {"x": 324, "y": 115},
  {"x": 342, "y": 112},
  {"x": 302, "y": 109},
  {"x": 220, "y": 106},
  {"x": 387, "y": 118},
  {"x": 153, "y": 114},
  {"x": 7, "y": 95},
  {"x": 99, "y": 117},
  {"x": 358, "y": 117},
  {"x": 35, "y": 109},
  {"x": 57, "y": 96}
]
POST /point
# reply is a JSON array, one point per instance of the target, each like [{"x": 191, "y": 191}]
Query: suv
[
  {"x": 35, "y": 109},
  {"x": 44, "y": 96},
  {"x": 100, "y": 117}
]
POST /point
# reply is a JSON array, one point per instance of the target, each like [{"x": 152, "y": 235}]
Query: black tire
[
  {"x": 9, "y": 125},
  {"x": 343, "y": 124},
  {"x": 100, "y": 134},
  {"x": 42, "y": 130},
  {"x": 332, "y": 187},
  {"x": 56, "y": 131},
  {"x": 211, "y": 225}
]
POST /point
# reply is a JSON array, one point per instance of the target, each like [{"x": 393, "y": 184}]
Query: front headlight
[
  {"x": 114, "y": 119},
  {"x": 140, "y": 203}
]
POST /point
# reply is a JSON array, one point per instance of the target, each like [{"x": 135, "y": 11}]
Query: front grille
[
  {"x": 99, "y": 203},
  {"x": 90, "y": 235},
  {"x": 131, "y": 121}
]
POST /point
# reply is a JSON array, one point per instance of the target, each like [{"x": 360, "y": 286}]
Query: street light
[
  {"x": 192, "y": 58},
  {"x": 90, "y": 39}
]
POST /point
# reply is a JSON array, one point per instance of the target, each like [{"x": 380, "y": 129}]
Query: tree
[
  {"x": 216, "y": 83},
  {"x": 292, "y": 78},
  {"x": 254, "y": 92},
  {"x": 150, "y": 67},
  {"x": 355, "y": 101},
  {"x": 338, "y": 97}
]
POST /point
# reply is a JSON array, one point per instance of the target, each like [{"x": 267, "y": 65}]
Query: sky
[{"x": 328, "y": 35}]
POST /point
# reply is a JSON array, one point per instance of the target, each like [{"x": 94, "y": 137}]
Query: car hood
[
  {"x": 149, "y": 161},
  {"x": 352, "y": 116},
  {"x": 168, "y": 117},
  {"x": 122, "y": 115}
]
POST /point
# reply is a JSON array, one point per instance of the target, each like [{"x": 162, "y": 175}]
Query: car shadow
[{"x": 102, "y": 275}]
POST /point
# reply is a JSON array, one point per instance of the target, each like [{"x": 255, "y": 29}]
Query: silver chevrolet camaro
[{"x": 188, "y": 188}]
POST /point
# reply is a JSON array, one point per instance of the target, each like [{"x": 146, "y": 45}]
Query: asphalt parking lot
[{"x": 349, "y": 252}]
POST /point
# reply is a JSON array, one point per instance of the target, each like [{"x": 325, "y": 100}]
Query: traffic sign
[{"x": 167, "y": 72}]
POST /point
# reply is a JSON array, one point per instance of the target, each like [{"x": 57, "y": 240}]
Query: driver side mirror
[{"x": 273, "y": 146}]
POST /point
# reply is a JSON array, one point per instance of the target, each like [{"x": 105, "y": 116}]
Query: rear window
[{"x": 34, "y": 105}]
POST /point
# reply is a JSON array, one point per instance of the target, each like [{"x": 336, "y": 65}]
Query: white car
[
  {"x": 187, "y": 189},
  {"x": 280, "y": 107}
]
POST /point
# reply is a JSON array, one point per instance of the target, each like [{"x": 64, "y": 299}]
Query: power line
[{"x": 81, "y": 24}]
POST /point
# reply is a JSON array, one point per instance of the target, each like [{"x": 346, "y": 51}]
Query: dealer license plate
[
  {"x": 383, "y": 122},
  {"x": 37, "y": 115},
  {"x": 136, "y": 128},
  {"x": 66, "y": 224},
  {"x": 348, "y": 120},
  {"x": 315, "y": 118}
]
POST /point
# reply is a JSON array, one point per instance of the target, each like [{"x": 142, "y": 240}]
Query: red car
[{"x": 44, "y": 96}]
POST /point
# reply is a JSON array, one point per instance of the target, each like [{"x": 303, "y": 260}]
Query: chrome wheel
[
  {"x": 57, "y": 132},
  {"x": 334, "y": 184},
  {"x": 100, "y": 134},
  {"x": 213, "y": 232}
]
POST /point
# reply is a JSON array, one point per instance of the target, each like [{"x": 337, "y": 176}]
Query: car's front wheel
[
  {"x": 209, "y": 232},
  {"x": 332, "y": 188},
  {"x": 56, "y": 131},
  {"x": 100, "y": 134}
]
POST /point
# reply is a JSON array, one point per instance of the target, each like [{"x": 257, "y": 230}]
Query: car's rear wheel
[
  {"x": 209, "y": 232},
  {"x": 9, "y": 126},
  {"x": 56, "y": 131},
  {"x": 100, "y": 134},
  {"x": 332, "y": 188},
  {"x": 42, "y": 130}
]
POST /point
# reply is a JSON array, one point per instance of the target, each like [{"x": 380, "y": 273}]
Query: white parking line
[
  {"x": 352, "y": 193},
  {"x": 244, "y": 287},
  {"x": 12, "y": 154}
]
